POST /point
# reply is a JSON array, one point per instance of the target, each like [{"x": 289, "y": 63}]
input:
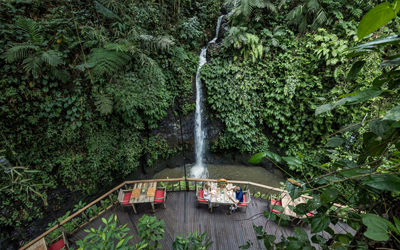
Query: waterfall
[{"x": 198, "y": 170}]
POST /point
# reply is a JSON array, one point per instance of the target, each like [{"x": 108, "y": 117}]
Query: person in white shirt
[{"x": 207, "y": 193}]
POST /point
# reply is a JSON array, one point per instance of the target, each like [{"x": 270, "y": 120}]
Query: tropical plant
[
  {"x": 104, "y": 238},
  {"x": 273, "y": 38},
  {"x": 191, "y": 242},
  {"x": 332, "y": 48},
  {"x": 33, "y": 53},
  {"x": 374, "y": 171},
  {"x": 151, "y": 230},
  {"x": 246, "y": 7}
]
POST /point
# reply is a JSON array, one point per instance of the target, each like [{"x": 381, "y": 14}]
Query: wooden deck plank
[{"x": 182, "y": 216}]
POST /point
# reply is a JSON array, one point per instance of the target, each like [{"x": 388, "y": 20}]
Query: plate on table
[
  {"x": 229, "y": 193},
  {"x": 227, "y": 199},
  {"x": 218, "y": 199},
  {"x": 213, "y": 191}
]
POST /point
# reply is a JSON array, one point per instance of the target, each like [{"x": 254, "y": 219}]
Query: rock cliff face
[{"x": 169, "y": 129}]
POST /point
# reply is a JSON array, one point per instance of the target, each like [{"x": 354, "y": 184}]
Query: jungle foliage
[
  {"x": 83, "y": 85},
  {"x": 362, "y": 175}
]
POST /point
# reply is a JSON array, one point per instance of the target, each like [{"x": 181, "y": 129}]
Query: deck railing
[{"x": 173, "y": 184}]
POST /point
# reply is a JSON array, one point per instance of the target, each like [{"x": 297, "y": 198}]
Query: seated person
[
  {"x": 237, "y": 195},
  {"x": 207, "y": 193}
]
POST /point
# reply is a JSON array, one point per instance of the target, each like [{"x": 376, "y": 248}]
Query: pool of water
[{"x": 230, "y": 172}]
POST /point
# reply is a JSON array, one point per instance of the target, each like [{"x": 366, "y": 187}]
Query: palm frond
[
  {"x": 313, "y": 6},
  {"x": 283, "y": 2},
  {"x": 60, "y": 74},
  {"x": 279, "y": 33},
  {"x": 105, "y": 12},
  {"x": 356, "y": 12},
  {"x": 52, "y": 58},
  {"x": 156, "y": 43},
  {"x": 18, "y": 52},
  {"x": 31, "y": 28},
  {"x": 320, "y": 19},
  {"x": 107, "y": 62},
  {"x": 104, "y": 104},
  {"x": 114, "y": 6},
  {"x": 33, "y": 64}
]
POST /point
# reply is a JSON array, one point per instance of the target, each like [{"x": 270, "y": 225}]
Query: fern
[
  {"x": 246, "y": 7},
  {"x": 18, "y": 52},
  {"x": 60, "y": 74},
  {"x": 106, "y": 62},
  {"x": 52, "y": 58},
  {"x": 104, "y": 104},
  {"x": 33, "y": 64},
  {"x": 30, "y": 28},
  {"x": 105, "y": 12}
]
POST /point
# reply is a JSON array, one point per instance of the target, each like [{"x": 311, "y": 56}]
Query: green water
[{"x": 230, "y": 172}]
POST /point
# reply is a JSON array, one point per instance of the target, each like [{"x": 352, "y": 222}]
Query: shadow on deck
[{"x": 182, "y": 216}]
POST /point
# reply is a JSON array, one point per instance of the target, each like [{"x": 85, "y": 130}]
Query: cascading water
[{"x": 198, "y": 170}]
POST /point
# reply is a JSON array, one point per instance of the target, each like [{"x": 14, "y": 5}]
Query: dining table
[
  {"x": 143, "y": 193},
  {"x": 222, "y": 196}
]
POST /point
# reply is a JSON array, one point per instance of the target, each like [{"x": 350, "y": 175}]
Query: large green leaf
[
  {"x": 323, "y": 108},
  {"x": 319, "y": 222},
  {"x": 380, "y": 80},
  {"x": 301, "y": 235},
  {"x": 393, "y": 114},
  {"x": 377, "y": 228},
  {"x": 378, "y": 42},
  {"x": 364, "y": 95},
  {"x": 273, "y": 156},
  {"x": 314, "y": 204},
  {"x": 368, "y": 139},
  {"x": 301, "y": 209},
  {"x": 350, "y": 128},
  {"x": 292, "y": 160},
  {"x": 355, "y": 70},
  {"x": 393, "y": 62},
  {"x": 257, "y": 158},
  {"x": 355, "y": 172},
  {"x": 342, "y": 101},
  {"x": 329, "y": 195},
  {"x": 382, "y": 128},
  {"x": 383, "y": 182},
  {"x": 334, "y": 142},
  {"x": 376, "y": 18}
]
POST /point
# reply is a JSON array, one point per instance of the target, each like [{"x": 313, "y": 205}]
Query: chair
[
  {"x": 275, "y": 201},
  {"x": 61, "y": 244},
  {"x": 161, "y": 195},
  {"x": 246, "y": 200},
  {"x": 200, "y": 197},
  {"x": 123, "y": 197}
]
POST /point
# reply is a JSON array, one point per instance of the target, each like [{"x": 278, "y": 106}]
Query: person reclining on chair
[{"x": 237, "y": 196}]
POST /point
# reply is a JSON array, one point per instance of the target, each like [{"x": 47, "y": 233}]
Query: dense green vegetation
[{"x": 84, "y": 84}]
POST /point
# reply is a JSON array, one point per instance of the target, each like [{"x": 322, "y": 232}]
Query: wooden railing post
[
  {"x": 111, "y": 199},
  {"x": 84, "y": 215},
  {"x": 76, "y": 224},
  {"x": 104, "y": 205}
]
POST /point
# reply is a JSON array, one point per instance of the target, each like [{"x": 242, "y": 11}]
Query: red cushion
[
  {"x": 127, "y": 197},
  {"x": 201, "y": 193},
  {"x": 274, "y": 202},
  {"x": 241, "y": 204},
  {"x": 58, "y": 245},
  {"x": 159, "y": 194}
]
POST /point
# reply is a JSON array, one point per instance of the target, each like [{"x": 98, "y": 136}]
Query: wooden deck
[{"x": 182, "y": 216}]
